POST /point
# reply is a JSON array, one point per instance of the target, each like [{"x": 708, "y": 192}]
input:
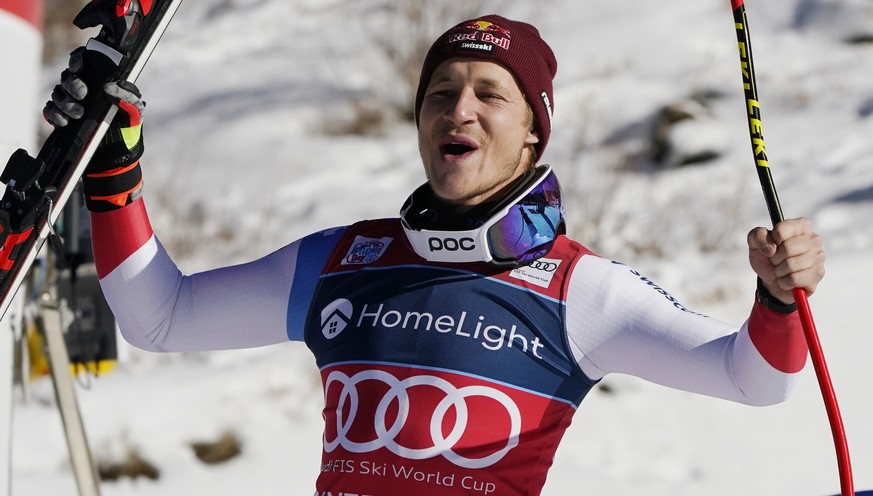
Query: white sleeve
[
  {"x": 620, "y": 321},
  {"x": 159, "y": 309}
]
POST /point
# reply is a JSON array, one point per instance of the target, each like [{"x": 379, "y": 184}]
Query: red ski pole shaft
[{"x": 765, "y": 177}]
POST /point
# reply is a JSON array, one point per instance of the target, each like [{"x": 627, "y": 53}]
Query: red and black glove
[{"x": 113, "y": 177}]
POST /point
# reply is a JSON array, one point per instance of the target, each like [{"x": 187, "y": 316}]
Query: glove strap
[
  {"x": 767, "y": 300},
  {"x": 112, "y": 189}
]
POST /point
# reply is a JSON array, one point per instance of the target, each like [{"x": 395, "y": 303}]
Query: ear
[
  {"x": 532, "y": 137},
  {"x": 529, "y": 149}
]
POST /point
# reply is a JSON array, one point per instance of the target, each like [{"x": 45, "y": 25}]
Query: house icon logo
[{"x": 335, "y": 317}]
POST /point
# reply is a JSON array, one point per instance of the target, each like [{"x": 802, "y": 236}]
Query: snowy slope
[{"x": 238, "y": 164}]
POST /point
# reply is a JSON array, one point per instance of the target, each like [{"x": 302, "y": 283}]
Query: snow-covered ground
[{"x": 238, "y": 164}]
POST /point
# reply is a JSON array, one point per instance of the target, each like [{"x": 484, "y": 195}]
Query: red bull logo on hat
[{"x": 486, "y": 32}]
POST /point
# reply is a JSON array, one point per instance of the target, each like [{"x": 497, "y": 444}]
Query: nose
[{"x": 463, "y": 110}]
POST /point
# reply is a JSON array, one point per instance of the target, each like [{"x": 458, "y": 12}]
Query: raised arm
[{"x": 157, "y": 307}]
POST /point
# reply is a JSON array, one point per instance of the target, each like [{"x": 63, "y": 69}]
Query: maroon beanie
[{"x": 517, "y": 46}]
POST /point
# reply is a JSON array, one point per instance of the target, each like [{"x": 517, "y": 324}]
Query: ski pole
[{"x": 766, "y": 179}]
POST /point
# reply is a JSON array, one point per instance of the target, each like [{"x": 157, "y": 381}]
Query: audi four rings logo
[
  {"x": 398, "y": 391},
  {"x": 544, "y": 265}
]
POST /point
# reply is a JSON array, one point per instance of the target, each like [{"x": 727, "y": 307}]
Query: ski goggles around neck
[{"x": 519, "y": 229}]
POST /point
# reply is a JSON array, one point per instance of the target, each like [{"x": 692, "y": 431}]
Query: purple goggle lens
[{"x": 530, "y": 226}]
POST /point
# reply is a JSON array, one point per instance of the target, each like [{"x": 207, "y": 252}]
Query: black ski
[{"x": 37, "y": 188}]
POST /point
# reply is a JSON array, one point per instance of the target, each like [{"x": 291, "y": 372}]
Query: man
[{"x": 456, "y": 342}]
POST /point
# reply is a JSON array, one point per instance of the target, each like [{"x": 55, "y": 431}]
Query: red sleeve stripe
[
  {"x": 778, "y": 338},
  {"x": 117, "y": 234}
]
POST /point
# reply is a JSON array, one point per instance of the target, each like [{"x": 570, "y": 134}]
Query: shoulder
[
  {"x": 316, "y": 247},
  {"x": 570, "y": 248},
  {"x": 550, "y": 274},
  {"x": 366, "y": 243}
]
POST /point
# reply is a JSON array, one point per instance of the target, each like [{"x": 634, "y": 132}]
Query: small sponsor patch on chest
[
  {"x": 539, "y": 273},
  {"x": 366, "y": 250}
]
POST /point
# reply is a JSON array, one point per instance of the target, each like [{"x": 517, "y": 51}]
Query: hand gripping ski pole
[{"x": 763, "y": 167}]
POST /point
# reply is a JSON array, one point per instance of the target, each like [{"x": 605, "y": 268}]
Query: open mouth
[
  {"x": 457, "y": 146},
  {"x": 456, "y": 149}
]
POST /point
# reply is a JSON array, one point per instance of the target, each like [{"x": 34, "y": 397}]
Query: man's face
[{"x": 474, "y": 132}]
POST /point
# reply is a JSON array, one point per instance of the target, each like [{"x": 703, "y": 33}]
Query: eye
[
  {"x": 491, "y": 96},
  {"x": 440, "y": 93}
]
